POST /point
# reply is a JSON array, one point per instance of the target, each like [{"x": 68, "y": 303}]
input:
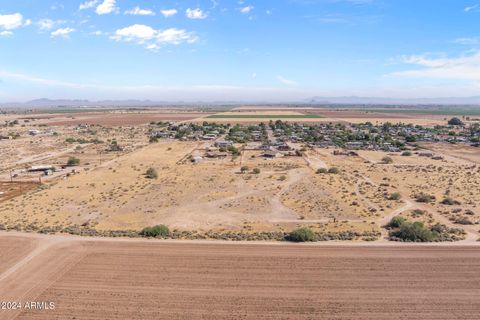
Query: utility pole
[{"x": 11, "y": 176}]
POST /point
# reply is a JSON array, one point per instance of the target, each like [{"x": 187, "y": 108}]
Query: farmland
[
  {"x": 262, "y": 116},
  {"x": 98, "y": 279}
]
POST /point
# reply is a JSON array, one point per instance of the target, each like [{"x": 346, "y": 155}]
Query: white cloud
[
  {"x": 11, "y": 21},
  {"x": 151, "y": 38},
  {"x": 468, "y": 41},
  {"x": 195, "y": 14},
  {"x": 286, "y": 81},
  {"x": 48, "y": 24},
  {"x": 169, "y": 12},
  {"x": 6, "y": 33},
  {"x": 62, "y": 32},
  {"x": 246, "y": 9},
  {"x": 465, "y": 67},
  {"x": 106, "y": 7},
  {"x": 137, "y": 11},
  {"x": 471, "y": 8},
  {"x": 88, "y": 4}
]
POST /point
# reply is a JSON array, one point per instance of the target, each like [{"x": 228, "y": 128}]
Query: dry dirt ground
[
  {"x": 129, "y": 279},
  {"x": 122, "y": 119},
  {"x": 214, "y": 196}
]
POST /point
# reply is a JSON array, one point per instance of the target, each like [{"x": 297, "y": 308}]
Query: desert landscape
[
  {"x": 260, "y": 177},
  {"x": 198, "y": 214}
]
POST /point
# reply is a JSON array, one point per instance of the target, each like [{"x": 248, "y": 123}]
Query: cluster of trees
[{"x": 401, "y": 229}]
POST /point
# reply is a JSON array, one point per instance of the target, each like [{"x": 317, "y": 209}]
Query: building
[{"x": 223, "y": 144}]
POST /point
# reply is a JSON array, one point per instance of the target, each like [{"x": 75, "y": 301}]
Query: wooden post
[{"x": 11, "y": 176}]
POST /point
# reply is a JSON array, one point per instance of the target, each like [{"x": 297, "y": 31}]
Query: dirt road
[{"x": 135, "y": 279}]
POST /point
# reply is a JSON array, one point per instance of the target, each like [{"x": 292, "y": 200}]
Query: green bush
[
  {"x": 387, "y": 160},
  {"x": 243, "y": 169},
  {"x": 413, "y": 232},
  {"x": 334, "y": 170},
  {"x": 425, "y": 198},
  {"x": 322, "y": 170},
  {"x": 396, "y": 222},
  {"x": 450, "y": 202},
  {"x": 151, "y": 173},
  {"x": 156, "y": 231},
  {"x": 301, "y": 235},
  {"x": 256, "y": 170},
  {"x": 395, "y": 196},
  {"x": 72, "y": 162},
  {"x": 406, "y": 153}
]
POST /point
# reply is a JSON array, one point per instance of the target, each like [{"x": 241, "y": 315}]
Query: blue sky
[{"x": 249, "y": 50}]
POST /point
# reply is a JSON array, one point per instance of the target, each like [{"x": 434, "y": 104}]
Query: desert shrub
[
  {"x": 156, "y": 231},
  {"x": 153, "y": 139},
  {"x": 387, "y": 160},
  {"x": 396, "y": 222},
  {"x": 406, "y": 153},
  {"x": 450, "y": 202},
  {"x": 455, "y": 122},
  {"x": 417, "y": 213},
  {"x": 283, "y": 178},
  {"x": 333, "y": 170},
  {"x": 321, "y": 170},
  {"x": 463, "y": 221},
  {"x": 72, "y": 162},
  {"x": 395, "y": 196},
  {"x": 414, "y": 232},
  {"x": 256, "y": 170},
  {"x": 301, "y": 235},
  {"x": 425, "y": 198},
  {"x": 151, "y": 173},
  {"x": 243, "y": 169}
]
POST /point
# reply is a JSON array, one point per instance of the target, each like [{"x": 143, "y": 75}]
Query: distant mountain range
[
  {"x": 465, "y": 101},
  {"x": 353, "y": 100}
]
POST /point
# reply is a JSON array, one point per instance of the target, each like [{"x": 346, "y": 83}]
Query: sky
[{"x": 247, "y": 50}]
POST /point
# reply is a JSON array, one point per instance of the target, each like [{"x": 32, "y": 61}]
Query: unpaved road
[{"x": 138, "y": 279}]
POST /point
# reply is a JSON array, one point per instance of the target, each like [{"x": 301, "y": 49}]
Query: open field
[
  {"x": 262, "y": 116},
  {"x": 325, "y": 115},
  {"x": 252, "y": 194},
  {"x": 99, "y": 279}
]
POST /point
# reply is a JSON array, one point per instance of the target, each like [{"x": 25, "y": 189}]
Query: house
[
  {"x": 216, "y": 155},
  {"x": 223, "y": 144},
  {"x": 33, "y": 132},
  {"x": 197, "y": 159},
  {"x": 160, "y": 134},
  {"x": 209, "y": 136},
  {"x": 283, "y": 147},
  {"x": 354, "y": 145},
  {"x": 270, "y": 154}
]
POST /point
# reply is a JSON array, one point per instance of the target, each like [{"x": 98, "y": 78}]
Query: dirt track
[{"x": 109, "y": 279}]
